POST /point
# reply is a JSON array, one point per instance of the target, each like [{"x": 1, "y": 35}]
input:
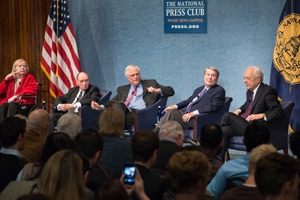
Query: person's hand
[
  {"x": 237, "y": 112},
  {"x": 10, "y": 75},
  {"x": 139, "y": 186},
  {"x": 95, "y": 105},
  {"x": 186, "y": 117},
  {"x": 66, "y": 106},
  {"x": 169, "y": 108},
  {"x": 153, "y": 90},
  {"x": 11, "y": 99},
  {"x": 254, "y": 117},
  {"x": 129, "y": 188}
]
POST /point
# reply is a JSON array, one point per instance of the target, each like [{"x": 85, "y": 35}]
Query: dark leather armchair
[
  {"x": 147, "y": 117},
  {"x": 278, "y": 130},
  {"x": 25, "y": 109},
  {"x": 207, "y": 118},
  {"x": 90, "y": 117}
]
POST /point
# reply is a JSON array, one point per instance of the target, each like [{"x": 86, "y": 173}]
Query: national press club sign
[{"x": 185, "y": 16}]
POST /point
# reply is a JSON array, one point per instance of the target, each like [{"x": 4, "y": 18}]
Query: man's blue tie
[{"x": 196, "y": 100}]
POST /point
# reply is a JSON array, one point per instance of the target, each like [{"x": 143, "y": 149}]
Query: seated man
[
  {"x": 277, "y": 177},
  {"x": 138, "y": 94},
  {"x": 210, "y": 144},
  {"x": 249, "y": 191},
  {"x": 70, "y": 124},
  {"x": 90, "y": 144},
  {"x": 83, "y": 94},
  {"x": 208, "y": 98},
  {"x": 145, "y": 146},
  {"x": 261, "y": 104},
  {"x": 256, "y": 133},
  {"x": 36, "y": 133},
  {"x": 12, "y": 135},
  {"x": 171, "y": 140},
  {"x": 187, "y": 175}
]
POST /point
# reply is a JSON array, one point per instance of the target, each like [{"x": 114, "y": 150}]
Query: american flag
[{"x": 60, "y": 60}]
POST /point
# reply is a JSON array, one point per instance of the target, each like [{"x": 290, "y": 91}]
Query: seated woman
[
  {"x": 15, "y": 84},
  {"x": 117, "y": 150}
]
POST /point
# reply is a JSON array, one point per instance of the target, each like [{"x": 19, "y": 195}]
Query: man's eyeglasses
[{"x": 133, "y": 75}]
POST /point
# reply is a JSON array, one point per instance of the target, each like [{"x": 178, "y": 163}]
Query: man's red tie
[
  {"x": 131, "y": 96},
  {"x": 247, "y": 112}
]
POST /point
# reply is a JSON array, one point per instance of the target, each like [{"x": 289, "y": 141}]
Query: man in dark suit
[
  {"x": 208, "y": 98},
  {"x": 171, "y": 140},
  {"x": 13, "y": 137},
  {"x": 261, "y": 104},
  {"x": 137, "y": 95},
  {"x": 81, "y": 95}
]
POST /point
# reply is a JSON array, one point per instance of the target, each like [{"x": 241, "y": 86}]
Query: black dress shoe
[{"x": 194, "y": 142}]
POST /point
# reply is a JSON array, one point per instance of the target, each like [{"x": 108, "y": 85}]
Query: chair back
[
  {"x": 147, "y": 117},
  {"x": 279, "y": 128},
  {"x": 104, "y": 96},
  {"x": 210, "y": 118}
]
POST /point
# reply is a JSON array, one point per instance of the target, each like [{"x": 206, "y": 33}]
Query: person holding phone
[{"x": 14, "y": 85}]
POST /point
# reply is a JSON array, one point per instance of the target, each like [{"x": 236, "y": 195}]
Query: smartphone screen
[{"x": 129, "y": 173}]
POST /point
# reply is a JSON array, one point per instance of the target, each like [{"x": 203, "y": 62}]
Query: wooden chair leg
[{"x": 285, "y": 152}]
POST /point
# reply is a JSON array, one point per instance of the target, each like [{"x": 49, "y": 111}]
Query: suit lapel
[{"x": 257, "y": 95}]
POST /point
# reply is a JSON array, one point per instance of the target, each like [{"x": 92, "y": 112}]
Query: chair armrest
[
  {"x": 89, "y": 117},
  {"x": 105, "y": 96},
  {"x": 147, "y": 117}
]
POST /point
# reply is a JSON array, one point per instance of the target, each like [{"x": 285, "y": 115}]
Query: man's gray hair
[
  {"x": 130, "y": 67},
  {"x": 258, "y": 72},
  {"x": 172, "y": 129},
  {"x": 70, "y": 124}
]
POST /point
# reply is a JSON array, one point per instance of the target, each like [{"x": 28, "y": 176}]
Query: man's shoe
[{"x": 194, "y": 142}]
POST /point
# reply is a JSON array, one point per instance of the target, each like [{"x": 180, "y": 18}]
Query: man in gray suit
[
  {"x": 138, "y": 94},
  {"x": 83, "y": 94}
]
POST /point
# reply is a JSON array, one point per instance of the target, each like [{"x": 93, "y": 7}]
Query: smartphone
[{"x": 129, "y": 173}]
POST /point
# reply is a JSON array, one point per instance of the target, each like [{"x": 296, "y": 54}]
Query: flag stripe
[{"x": 60, "y": 60}]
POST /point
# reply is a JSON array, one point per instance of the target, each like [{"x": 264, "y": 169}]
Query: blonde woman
[
  {"x": 62, "y": 177},
  {"x": 15, "y": 84}
]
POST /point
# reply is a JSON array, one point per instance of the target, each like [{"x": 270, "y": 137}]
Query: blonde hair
[
  {"x": 111, "y": 121},
  {"x": 62, "y": 177},
  {"x": 17, "y": 62},
  {"x": 257, "y": 153}
]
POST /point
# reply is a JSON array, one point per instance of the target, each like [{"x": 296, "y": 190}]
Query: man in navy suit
[
  {"x": 83, "y": 94},
  {"x": 261, "y": 104},
  {"x": 208, "y": 98},
  {"x": 138, "y": 94}
]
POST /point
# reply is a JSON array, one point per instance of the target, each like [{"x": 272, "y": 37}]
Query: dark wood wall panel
[{"x": 23, "y": 24}]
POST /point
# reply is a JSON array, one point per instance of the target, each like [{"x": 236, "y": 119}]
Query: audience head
[
  {"x": 90, "y": 143},
  {"x": 257, "y": 153},
  {"x": 62, "y": 176},
  {"x": 211, "y": 75},
  {"x": 38, "y": 121},
  {"x": 82, "y": 80},
  {"x": 111, "y": 190},
  {"x": 188, "y": 172},
  {"x": 12, "y": 133},
  {"x": 277, "y": 176},
  {"x": 253, "y": 76},
  {"x": 294, "y": 143},
  {"x": 172, "y": 129},
  {"x": 111, "y": 122},
  {"x": 17, "y": 64},
  {"x": 70, "y": 124},
  {"x": 256, "y": 133},
  {"x": 211, "y": 136},
  {"x": 132, "y": 73},
  {"x": 145, "y": 144}
]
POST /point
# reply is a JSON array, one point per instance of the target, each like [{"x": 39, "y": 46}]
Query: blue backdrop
[{"x": 113, "y": 33}]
